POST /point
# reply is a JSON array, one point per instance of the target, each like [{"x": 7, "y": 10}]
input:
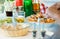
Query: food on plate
[
  {"x": 2, "y": 22},
  {"x": 8, "y": 20},
  {"x": 20, "y": 20},
  {"x": 40, "y": 15},
  {"x": 47, "y": 20},
  {"x": 34, "y": 18},
  {"x": 18, "y": 30}
]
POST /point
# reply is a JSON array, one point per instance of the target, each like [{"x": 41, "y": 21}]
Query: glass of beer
[{"x": 36, "y": 6}]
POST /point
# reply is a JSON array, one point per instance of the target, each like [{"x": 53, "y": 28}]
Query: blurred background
[{"x": 1, "y": 6}]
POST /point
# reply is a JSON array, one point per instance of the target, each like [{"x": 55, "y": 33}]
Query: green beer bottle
[{"x": 28, "y": 7}]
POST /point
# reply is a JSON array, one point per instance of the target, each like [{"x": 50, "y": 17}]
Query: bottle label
[{"x": 19, "y": 2}]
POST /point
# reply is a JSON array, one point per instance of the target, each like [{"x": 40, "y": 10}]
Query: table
[
  {"x": 29, "y": 36},
  {"x": 54, "y": 28}
]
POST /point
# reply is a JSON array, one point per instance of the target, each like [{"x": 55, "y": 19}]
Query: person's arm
[{"x": 54, "y": 13}]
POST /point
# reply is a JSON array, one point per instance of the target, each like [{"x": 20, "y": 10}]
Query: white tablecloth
[
  {"x": 29, "y": 36},
  {"x": 3, "y": 36},
  {"x": 53, "y": 28}
]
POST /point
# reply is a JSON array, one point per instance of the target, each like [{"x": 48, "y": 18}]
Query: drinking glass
[
  {"x": 20, "y": 17},
  {"x": 36, "y": 6}
]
